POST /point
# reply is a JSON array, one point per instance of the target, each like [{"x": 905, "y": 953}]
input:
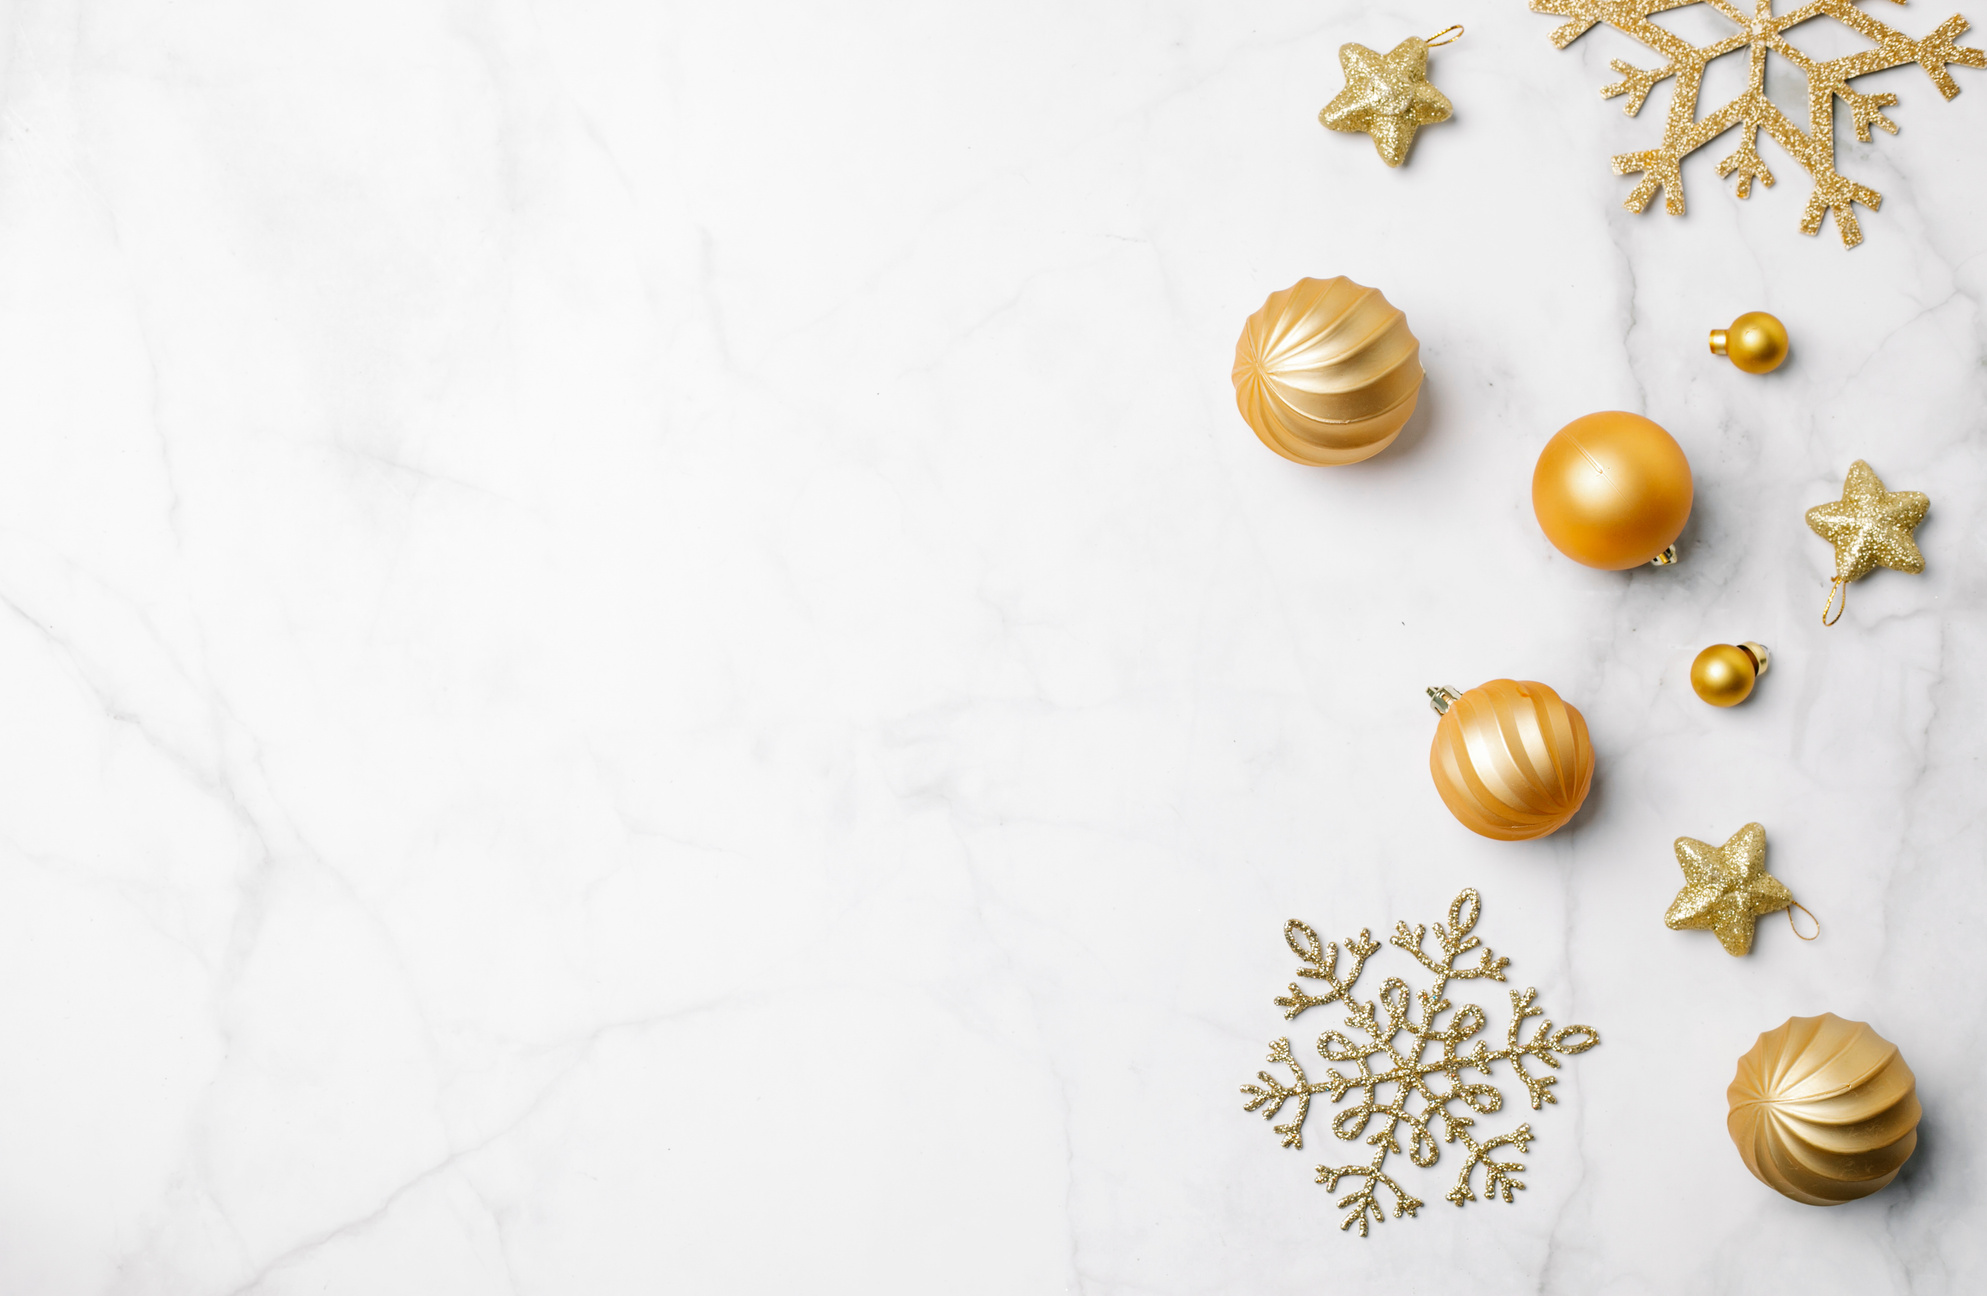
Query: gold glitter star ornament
[
  {"x": 1869, "y": 527},
  {"x": 1388, "y": 95},
  {"x": 1726, "y": 888}
]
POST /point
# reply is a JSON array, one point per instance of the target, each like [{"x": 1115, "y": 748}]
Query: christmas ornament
[
  {"x": 1388, "y": 95},
  {"x": 1824, "y": 1110},
  {"x": 1398, "y": 1029},
  {"x": 1612, "y": 490},
  {"x": 1726, "y": 889},
  {"x": 1510, "y": 759},
  {"x": 1760, "y": 32},
  {"x": 1756, "y": 342},
  {"x": 1868, "y": 526},
  {"x": 1327, "y": 372},
  {"x": 1724, "y": 674}
]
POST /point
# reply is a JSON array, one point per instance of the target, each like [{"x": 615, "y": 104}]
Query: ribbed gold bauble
[
  {"x": 1511, "y": 759},
  {"x": 1327, "y": 372},
  {"x": 1756, "y": 342},
  {"x": 1611, "y": 490},
  {"x": 1824, "y": 1110}
]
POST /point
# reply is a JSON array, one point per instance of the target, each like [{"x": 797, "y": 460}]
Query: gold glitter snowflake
[
  {"x": 1424, "y": 1085},
  {"x": 1761, "y": 32}
]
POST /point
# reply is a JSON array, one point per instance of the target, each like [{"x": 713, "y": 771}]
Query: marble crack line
[{"x": 352, "y": 1227}]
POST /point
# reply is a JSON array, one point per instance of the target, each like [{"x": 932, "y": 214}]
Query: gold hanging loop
[
  {"x": 1447, "y": 36},
  {"x": 1792, "y": 905},
  {"x": 1835, "y": 587}
]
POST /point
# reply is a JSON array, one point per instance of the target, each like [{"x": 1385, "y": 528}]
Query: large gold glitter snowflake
[
  {"x": 1424, "y": 1086},
  {"x": 1761, "y": 32}
]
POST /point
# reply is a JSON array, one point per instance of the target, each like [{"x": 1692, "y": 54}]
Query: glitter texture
[
  {"x": 1870, "y": 526},
  {"x": 1726, "y": 888},
  {"x": 1761, "y": 32},
  {"x": 1387, "y": 96},
  {"x": 1401, "y": 1040}
]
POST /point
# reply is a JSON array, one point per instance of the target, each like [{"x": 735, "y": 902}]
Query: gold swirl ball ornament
[
  {"x": 1511, "y": 759},
  {"x": 1327, "y": 372},
  {"x": 1824, "y": 1110},
  {"x": 1724, "y": 674},
  {"x": 1756, "y": 342},
  {"x": 1612, "y": 490}
]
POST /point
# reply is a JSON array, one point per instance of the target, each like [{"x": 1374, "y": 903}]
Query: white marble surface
[{"x": 643, "y": 651}]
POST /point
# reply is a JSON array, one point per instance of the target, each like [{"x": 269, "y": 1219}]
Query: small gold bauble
[
  {"x": 1510, "y": 759},
  {"x": 1724, "y": 674},
  {"x": 1612, "y": 490},
  {"x": 1756, "y": 342},
  {"x": 1824, "y": 1110},
  {"x": 1327, "y": 372}
]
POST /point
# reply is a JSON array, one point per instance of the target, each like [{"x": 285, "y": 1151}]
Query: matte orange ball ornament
[
  {"x": 1612, "y": 490},
  {"x": 1511, "y": 759}
]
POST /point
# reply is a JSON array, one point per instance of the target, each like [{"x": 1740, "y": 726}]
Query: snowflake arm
[
  {"x": 1456, "y": 941},
  {"x": 1365, "y": 1203},
  {"x": 1545, "y": 1045},
  {"x": 1498, "y": 1180},
  {"x": 1320, "y": 963},
  {"x": 1893, "y": 47},
  {"x": 1585, "y": 14},
  {"x": 1274, "y": 1093}
]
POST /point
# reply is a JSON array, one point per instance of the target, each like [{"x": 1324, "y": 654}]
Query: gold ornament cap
[
  {"x": 1724, "y": 674},
  {"x": 1823, "y": 1110},
  {"x": 1756, "y": 342}
]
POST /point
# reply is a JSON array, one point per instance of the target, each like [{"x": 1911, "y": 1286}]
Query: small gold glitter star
[
  {"x": 1869, "y": 526},
  {"x": 1726, "y": 888},
  {"x": 1387, "y": 96}
]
